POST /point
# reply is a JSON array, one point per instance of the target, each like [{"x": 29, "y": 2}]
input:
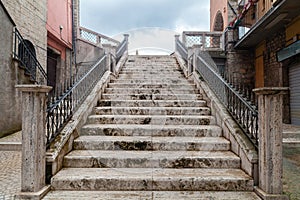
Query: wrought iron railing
[
  {"x": 62, "y": 105},
  {"x": 96, "y": 38},
  {"x": 208, "y": 40},
  {"x": 239, "y": 102},
  {"x": 24, "y": 52}
]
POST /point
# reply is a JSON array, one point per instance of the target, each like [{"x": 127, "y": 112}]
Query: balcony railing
[
  {"x": 96, "y": 38},
  {"x": 208, "y": 40},
  {"x": 239, "y": 102},
  {"x": 24, "y": 52}
]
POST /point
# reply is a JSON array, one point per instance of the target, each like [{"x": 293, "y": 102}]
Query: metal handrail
[
  {"x": 245, "y": 114},
  {"x": 61, "y": 107},
  {"x": 243, "y": 110},
  {"x": 28, "y": 59}
]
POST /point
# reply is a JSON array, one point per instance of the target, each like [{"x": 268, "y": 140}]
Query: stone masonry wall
[
  {"x": 239, "y": 67},
  {"x": 273, "y": 68},
  {"x": 276, "y": 73},
  {"x": 10, "y": 121},
  {"x": 30, "y": 17}
]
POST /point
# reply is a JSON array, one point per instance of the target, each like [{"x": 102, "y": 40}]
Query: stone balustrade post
[
  {"x": 196, "y": 51},
  {"x": 190, "y": 60},
  {"x": 110, "y": 52},
  {"x": 270, "y": 103},
  {"x": 176, "y": 39},
  {"x": 126, "y": 36},
  {"x": 33, "y": 174}
]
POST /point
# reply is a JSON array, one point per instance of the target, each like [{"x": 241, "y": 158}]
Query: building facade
[
  {"x": 221, "y": 13},
  {"x": 262, "y": 48},
  {"x": 59, "y": 42},
  {"x": 46, "y": 27},
  {"x": 273, "y": 36}
]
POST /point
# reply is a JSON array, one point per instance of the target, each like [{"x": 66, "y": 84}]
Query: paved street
[
  {"x": 10, "y": 169},
  {"x": 10, "y": 174}
]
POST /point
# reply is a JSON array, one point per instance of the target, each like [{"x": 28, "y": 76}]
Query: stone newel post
[
  {"x": 33, "y": 140},
  {"x": 270, "y": 102}
]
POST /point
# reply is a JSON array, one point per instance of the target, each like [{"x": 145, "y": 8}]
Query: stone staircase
[{"x": 151, "y": 137}]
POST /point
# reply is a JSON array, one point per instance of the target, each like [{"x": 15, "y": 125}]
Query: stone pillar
[
  {"x": 110, "y": 52},
  {"x": 33, "y": 173},
  {"x": 176, "y": 39},
  {"x": 126, "y": 36},
  {"x": 270, "y": 142},
  {"x": 196, "y": 51},
  {"x": 190, "y": 61}
]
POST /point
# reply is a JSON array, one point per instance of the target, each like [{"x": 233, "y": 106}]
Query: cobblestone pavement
[{"x": 10, "y": 174}]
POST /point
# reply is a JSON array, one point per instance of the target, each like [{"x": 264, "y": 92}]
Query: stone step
[
  {"x": 152, "y": 111},
  {"x": 152, "y": 130},
  {"x": 158, "y": 179},
  {"x": 151, "y": 119},
  {"x": 151, "y": 143},
  {"x": 151, "y": 159},
  {"x": 150, "y": 91},
  {"x": 161, "y": 76},
  {"x": 153, "y": 103},
  {"x": 152, "y": 85},
  {"x": 151, "y": 71},
  {"x": 123, "y": 96},
  {"x": 150, "y": 81},
  {"x": 153, "y": 195}
]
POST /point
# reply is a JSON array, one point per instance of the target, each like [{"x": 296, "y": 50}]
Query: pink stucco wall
[
  {"x": 59, "y": 24},
  {"x": 215, "y": 6}
]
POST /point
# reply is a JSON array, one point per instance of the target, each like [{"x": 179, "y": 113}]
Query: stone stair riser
[
  {"x": 147, "y": 180},
  {"x": 139, "y": 119},
  {"x": 148, "y": 159},
  {"x": 151, "y": 85},
  {"x": 152, "y": 111},
  {"x": 148, "y": 91},
  {"x": 150, "y": 130},
  {"x": 152, "y": 103},
  {"x": 151, "y": 143},
  {"x": 151, "y": 97}
]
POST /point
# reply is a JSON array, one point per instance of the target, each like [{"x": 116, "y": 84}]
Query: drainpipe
[{"x": 73, "y": 41}]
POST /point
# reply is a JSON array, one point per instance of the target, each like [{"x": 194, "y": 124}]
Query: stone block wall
[
  {"x": 276, "y": 72},
  {"x": 30, "y": 17},
  {"x": 9, "y": 121},
  {"x": 240, "y": 66},
  {"x": 273, "y": 68}
]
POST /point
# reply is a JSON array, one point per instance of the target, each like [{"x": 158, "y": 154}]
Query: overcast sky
[
  {"x": 111, "y": 17},
  {"x": 114, "y": 17}
]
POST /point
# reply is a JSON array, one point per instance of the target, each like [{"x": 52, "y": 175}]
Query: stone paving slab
[{"x": 10, "y": 174}]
